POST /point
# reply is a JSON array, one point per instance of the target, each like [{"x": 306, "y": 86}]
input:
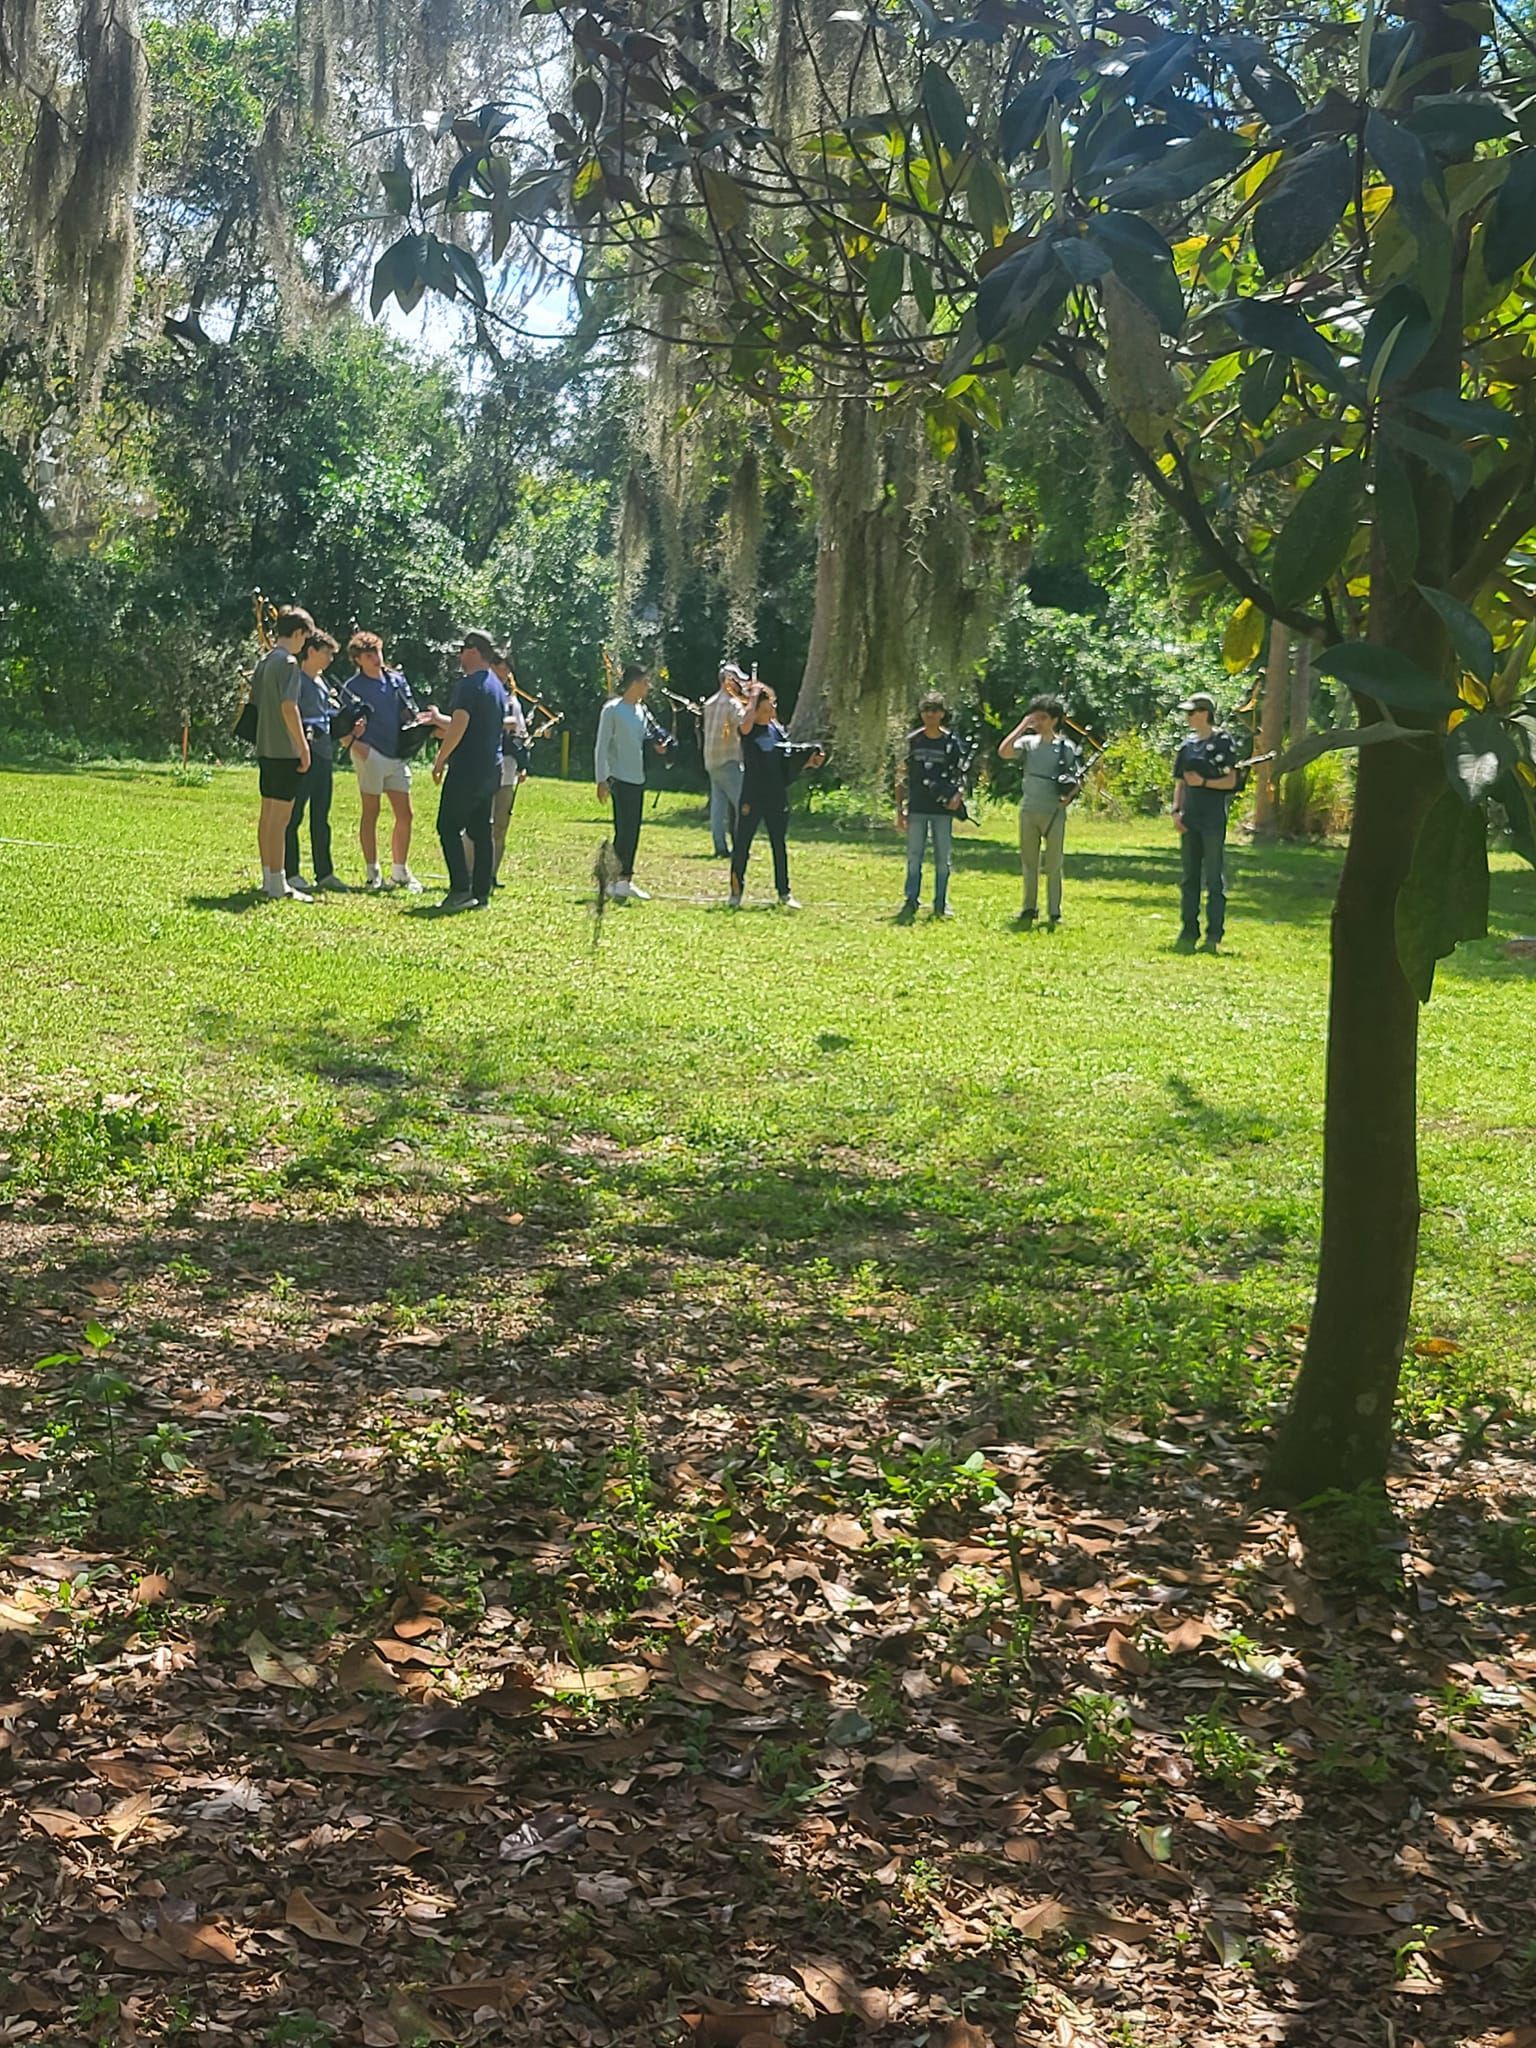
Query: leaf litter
[{"x": 629, "y": 1689}]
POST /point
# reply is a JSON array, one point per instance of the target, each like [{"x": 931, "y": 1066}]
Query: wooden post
[
  {"x": 1266, "y": 813},
  {"x": 565, "y": 755}
]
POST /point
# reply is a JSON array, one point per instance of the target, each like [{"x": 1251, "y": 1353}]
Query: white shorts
[{"x": 377, "y": 772}]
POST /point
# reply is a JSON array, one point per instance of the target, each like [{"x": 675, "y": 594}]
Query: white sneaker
[
  {"x": 375, "y": 879},
  {"x": 402, "y": 878},
  {"x": 620, "y": 891},
  {"x": 640, "y": 895},
  {"x": 295, "y": 885},
  {"x": 788, "y": 903}
]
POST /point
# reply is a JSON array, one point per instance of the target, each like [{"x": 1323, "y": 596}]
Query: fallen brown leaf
[
  {"x": 1126, "y": 1655},
  {"x": 391, "y": 1844},
  {"x": 359, "y": 1668},
  {"x": 121, "y": 1820},
  {"x": 960, "y": 2034},
  {"x": 1466, "y": 1953},
  {"x": 501, "y": 1993},
  {"x": 152, "y": 1587},
  {"x": 302, "y": 1912},
  {"x": 831, "y": 1986},
  {"x": 279, "y": 1667},
  {"x": 343, "y": 1763}
]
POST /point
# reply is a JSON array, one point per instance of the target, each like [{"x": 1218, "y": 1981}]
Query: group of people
[
  {"x": 482, "y": 755},
  {"x": 749, "y": 758},
  {"x": 302, "y": 721},
  {"x": 751, "y": 763}
]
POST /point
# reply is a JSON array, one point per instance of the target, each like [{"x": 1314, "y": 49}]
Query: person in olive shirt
[
  {"x": 282, "y": 750},
  {"x": 468, "y": 766},
  {"x": 1205, "y": 775},
  {"x": 929, "y": 792},
  {"x": 1052, "y": 772},
  {"x": 317, "y": 704}
]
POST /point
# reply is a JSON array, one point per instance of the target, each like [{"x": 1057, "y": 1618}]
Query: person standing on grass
[
  {"x": 282, "y": 748},
  {"x": 468, "y": 766},
  {"x": 770, "y": 762},
  {"x": 318, "y": 704},
  {"x": 514, "y": 765},
  {"x": 386, "y": 695},
  {"x": 1205, "y": 777},
  {"x": 722, "y": 756},
  {"x": 1052, "y": 777},
  {"x": 624, "y": 729},
  {"x": 930, "y": 790}
]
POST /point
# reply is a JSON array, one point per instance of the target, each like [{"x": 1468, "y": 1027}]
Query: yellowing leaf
[
  {"x": 1244, "y": 637},
  {"x": 279, "y": 1667}
]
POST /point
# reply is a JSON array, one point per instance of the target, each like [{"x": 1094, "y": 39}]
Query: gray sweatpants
[{"x": 1042, "y": 831}]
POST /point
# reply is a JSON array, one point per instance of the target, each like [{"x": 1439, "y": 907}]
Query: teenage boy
[
  {"x": 1052, "y": 775},
  {"x": 376, "y": 755},
  {"x": 318, "y": 703},
  {"x": 1204, "y": 780},
  {"x": 624, "y": 729},
  {"x": 930, "y": 789},
  {"x": 468, "y": 766},
  {"x": 282, "y": 749},
  {"x": 722, "y": 756}
]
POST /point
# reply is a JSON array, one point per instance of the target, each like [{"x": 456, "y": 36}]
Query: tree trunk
[
  {"x": 1338, "y": 1433},
  {"x": 1294, "y": 794},
  {"x": 1266, "y": 815}
]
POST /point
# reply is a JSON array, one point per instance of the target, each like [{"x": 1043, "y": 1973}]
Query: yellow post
[{"x": 565, "y": 755}]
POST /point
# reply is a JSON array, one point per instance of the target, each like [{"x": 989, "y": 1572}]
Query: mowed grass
[{"x": 1058, "y": 1161}]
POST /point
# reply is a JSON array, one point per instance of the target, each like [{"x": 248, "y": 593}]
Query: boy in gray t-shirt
[{"x": 282, "y": 745}]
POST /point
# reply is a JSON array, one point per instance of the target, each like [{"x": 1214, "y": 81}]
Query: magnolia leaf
[
  {"x": 1143, "y": 262},
  {"x": 399, "y": 187},
  {"x": 1316, "y": 537},
  {"x": 1396, "y": 338},
  {"x": 726, "y": 201},
  {"x": 1453, "y": 123},
  {"x": 587, "y": 101},
  {"x": 1244, "y": 638},
  {"x": 1469, "y": 636},
  {"x": 1447, "y": 460},
  {"x": 1302, "y": 206},
  {"x": 986, "y": 199},
  {"x": 1262, "y": 388},
  {"x": 1182, "y": 170},
  {"x": 1471, "y": 418},
  {"x": 1402, "y": 160},
  {"x": 1083, "y": 261},
  {"x": 1271, "y": 92},
  {"x": 1509, "y": 239},
  {"x": 1478, "y": 754},
  {"x": 1266, "y": 323},
  {"x": 1445, "y": 897},
  {"x": 1305, "y": 438},
  {"x": 279, "y": 1667},
  {"x": 1391, "y": 678},
  {"x": 944, "y": 107},
  {"x": 883, "y": 284}
]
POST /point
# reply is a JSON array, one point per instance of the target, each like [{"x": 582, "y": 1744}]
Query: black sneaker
[
  {"x": 1186, "y": 942},
  {"x": 1024, "y": 920},
  {"x": 905, "y": 915},
  {"x": 460, "y": 899}
]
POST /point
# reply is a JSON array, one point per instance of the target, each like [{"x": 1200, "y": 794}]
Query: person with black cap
[
  {"x": 1205, "y": 778},
  {"x": 468, "y": 766}
]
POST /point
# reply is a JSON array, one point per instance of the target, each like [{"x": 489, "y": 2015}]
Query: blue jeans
[
  {"x": 919, "y": 825},
  {"x": 1203, "y": 848},
  {"x": 724, "y": 801}
]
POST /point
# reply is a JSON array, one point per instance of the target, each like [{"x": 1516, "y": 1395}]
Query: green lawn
[
  {"x": 1075, "y": 1147},
  {"x": 695, "y": 1481}
]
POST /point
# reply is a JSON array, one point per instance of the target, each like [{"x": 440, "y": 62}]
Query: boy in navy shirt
[
  {"x": 1205, "y": 780},
  {"x": 469, "y": 768}
]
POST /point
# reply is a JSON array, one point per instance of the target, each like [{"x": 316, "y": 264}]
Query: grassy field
[
  {"x": 691, "y": 1478},
  {"x": 1109, "y": 1150}
]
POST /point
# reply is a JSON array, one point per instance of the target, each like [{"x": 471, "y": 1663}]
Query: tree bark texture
[
  {"x": 1293, "y": 805},
  {"x": 1272, "y": 707}
]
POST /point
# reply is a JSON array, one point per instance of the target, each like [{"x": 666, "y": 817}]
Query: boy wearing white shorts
[{"x": 387, "y": 697}]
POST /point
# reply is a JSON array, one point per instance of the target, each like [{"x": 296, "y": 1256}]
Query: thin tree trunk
[
  {"x": 1266, "y": 815},
  {"x": 1294, "y": 793},
  {"x": 1337, "y": 1435}
]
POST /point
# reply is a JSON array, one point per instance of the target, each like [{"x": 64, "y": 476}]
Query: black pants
[
  {"x": 464, "y": 812},
  {"x": 628, "y": 799},
  {"x": 1204, "y": 848},
  {"x": 776, "y": 824},
  {"x": 315, "y": 797}
]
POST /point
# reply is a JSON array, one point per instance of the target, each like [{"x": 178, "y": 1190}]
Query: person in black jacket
[{"x": 770, "y": 761}]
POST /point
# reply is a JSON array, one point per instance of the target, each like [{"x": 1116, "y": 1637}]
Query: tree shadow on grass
[
  {"x": 233, "y": 902},
  {"x": 605, "y": 1443}
]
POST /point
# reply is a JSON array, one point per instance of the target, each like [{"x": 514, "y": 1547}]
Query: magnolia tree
[{"x": 1291, "y": 275}]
